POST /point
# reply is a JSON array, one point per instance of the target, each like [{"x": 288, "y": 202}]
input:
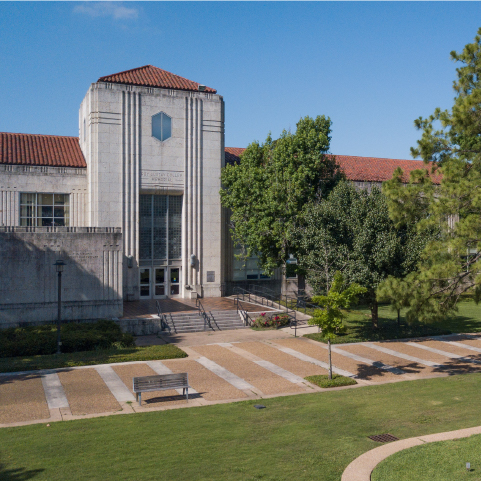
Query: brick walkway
[{"x": 228, "y": 366}]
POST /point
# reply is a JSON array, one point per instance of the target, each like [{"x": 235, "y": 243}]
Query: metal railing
[
  {"x": 204, "y": 314},
  {"x": 245, "y": 316},
  {"x": 262, "y": 296},
  {"x": 164, "y": 325},
  {"x": 265, "y": 296}
]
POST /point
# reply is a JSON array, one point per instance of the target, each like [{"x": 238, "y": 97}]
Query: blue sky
[{"x": 371, "y": 67}]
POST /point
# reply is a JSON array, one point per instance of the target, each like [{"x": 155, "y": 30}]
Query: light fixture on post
[{"x": 59, "y": 265}]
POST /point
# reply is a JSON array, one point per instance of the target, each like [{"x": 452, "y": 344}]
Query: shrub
[
  {"x": 274, "y": 321},
  {"x": 40, "y": 340},
  {"x": 336, "y": 381}
]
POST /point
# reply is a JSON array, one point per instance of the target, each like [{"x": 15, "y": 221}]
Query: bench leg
[{"x": 187, "y": 393}]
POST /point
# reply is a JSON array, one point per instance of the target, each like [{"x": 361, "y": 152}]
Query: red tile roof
[
  {"x": 150, "y": 76},
  {"x": 361, "y": 169},
  {"x": 30, "y": 149}
]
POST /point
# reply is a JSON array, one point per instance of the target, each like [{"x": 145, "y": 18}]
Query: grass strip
[
  {"x": 336, "y": 381},
  {"x": 87, "y": 358},
  {"x": 305, "y": 437},
  {"x": 442, "y": 461},
  {"x": 359, "y": 328}
]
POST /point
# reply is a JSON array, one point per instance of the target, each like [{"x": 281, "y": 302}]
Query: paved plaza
[{"x": 228, "y": 366}]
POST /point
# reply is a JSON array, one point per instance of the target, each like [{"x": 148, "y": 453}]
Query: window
[
  {"x": 248, "y": 269},
  {"x": 44, "y": 210},
  {"x": 161, "y": 126},
  {"x": 160, "y": 227}
]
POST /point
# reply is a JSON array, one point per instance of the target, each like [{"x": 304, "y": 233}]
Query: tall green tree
[
  {"x": 351, "y": 232},
  {"x": 268, "y": 189},
  {"x": 446, "y": 194},
  {"x": 329, "y": 317}
]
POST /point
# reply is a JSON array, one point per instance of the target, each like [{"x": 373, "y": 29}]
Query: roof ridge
[
  {"x": 152, "y": 76},
  {"x": 125, "y": 71},
  {"x": 354, "y": 156},
  {"x": 42, "y": 135}
]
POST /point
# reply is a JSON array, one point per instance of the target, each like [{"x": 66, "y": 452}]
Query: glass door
[
  {"x": 145, "y": 283},
  {"x": 159, "y": 282},
  {"x": 174, "y": 281}
]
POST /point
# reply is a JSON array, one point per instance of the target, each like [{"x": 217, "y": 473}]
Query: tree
[
  {"x": 329, "y": 318},
  {"x": 268, "y": 189},
  {"x": 451, "y": 149},
  {"x": 395, "y": 291},
  {"x": 351, "y": 232}
]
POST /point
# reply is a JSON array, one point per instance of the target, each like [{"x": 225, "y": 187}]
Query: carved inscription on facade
[{"x": 161, "y": 178}]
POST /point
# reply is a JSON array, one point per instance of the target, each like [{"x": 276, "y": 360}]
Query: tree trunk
[
  {"x": 330, "y": 362},
  {"x": 398, "y": 317},
  {"x": 374, "y": 314}
]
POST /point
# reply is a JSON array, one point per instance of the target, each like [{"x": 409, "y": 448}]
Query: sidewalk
[{"x": 362, "y": 467}]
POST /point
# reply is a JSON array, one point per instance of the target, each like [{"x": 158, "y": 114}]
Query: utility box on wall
[{"x": 91, "y": 280}]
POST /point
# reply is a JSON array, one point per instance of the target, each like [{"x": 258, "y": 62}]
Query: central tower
[{"x": 154, "y": 147}]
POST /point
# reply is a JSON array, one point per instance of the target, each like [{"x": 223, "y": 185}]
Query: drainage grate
[{"x": 383, "y": 438}]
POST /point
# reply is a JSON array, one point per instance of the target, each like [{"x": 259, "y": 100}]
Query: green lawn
[
  {"x": 443, "y": 461},
  {"x": 86, "y": 358},
  {"x": 305, "y": 437},
  {"x": 359, "y": 325}
]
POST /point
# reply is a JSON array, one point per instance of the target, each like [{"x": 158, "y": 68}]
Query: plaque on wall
[
  {"x": 210, "y": 276},
  {"x": 161, "y": 178}
]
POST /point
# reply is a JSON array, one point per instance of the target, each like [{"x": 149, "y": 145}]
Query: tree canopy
[
  {"x": 267, "y": 191},
  {"x": 450, "y": 146},
  {"x": 351, "y": 232}
]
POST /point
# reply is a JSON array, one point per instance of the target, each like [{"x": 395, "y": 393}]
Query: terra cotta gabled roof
[
  {"x": 44, "y": 150},
  {"x": 150, "y": 76},
  {"x": 360, "y": 169}
]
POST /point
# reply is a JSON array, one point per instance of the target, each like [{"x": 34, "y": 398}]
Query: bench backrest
[{"x": 160, "y": 381}]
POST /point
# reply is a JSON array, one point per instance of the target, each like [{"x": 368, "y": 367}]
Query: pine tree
[{"x": 446, "y": 195}]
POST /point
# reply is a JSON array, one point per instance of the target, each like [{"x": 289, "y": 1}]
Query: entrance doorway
[{"x": 159, "y": 282}]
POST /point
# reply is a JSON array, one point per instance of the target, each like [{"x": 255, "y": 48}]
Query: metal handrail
[
  {"x": 204, "y": 314},
  {"x": 163, "y": 319},
  {"x": 214, "y": 321},
  {"x": 245, "y": 315},
  {"x": 172, "y": 321}
]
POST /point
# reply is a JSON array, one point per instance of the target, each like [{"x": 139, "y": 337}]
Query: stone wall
[{"x": 91, "y": 280}]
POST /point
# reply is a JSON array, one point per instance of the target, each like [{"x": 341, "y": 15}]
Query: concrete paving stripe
[
  {"x": 401, "y": 355},
  {"x": 444, "y": 353},
  {"x": 228, "y": 376},
  {"x": 161, "y": 368},
  {"x": 223, "y": 344},
  {"x": 115, "y": 384},
  {"x": 365, "y": 360},
  {"x": 289, "y": 376},
  {"x": 312, "y": 360},
  {"x": 54, "y": 392},
  {"x": 464, "y": 346}
]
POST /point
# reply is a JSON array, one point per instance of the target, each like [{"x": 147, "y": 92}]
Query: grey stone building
[{"x": 132, "y": 205}]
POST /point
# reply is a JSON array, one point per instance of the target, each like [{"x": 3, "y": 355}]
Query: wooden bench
[{"x": 162, "y": 382}]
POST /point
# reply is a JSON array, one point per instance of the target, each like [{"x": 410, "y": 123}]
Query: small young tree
[
  {"x": 397, "y": 292},
  {"x": 329, "y": 318}
]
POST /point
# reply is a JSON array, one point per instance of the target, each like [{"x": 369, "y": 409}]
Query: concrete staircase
[
  {"x": 194, "y": 321},
  {"x": 225, "y": 320},
  {"x": 185, "y": 322}
]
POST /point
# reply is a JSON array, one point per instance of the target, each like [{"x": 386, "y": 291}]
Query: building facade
[{"x": 146, "y": 168}]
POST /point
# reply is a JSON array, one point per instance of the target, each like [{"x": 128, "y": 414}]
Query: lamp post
[{"x": 59, "y": 264}]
